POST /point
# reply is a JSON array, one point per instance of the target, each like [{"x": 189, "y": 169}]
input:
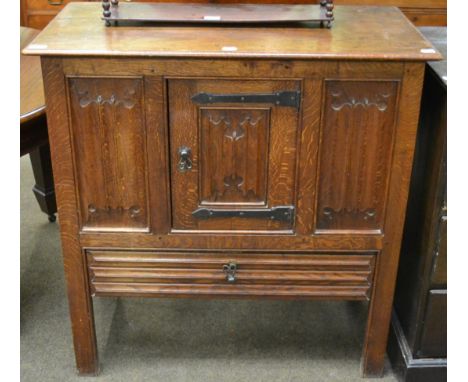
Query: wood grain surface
[
  {"x": 393, "y": 37},
  {"x": 258, "y": 275},
  {"x": 122, "y": 105},
  {"x": 244, "y": 155},
  {"x": 38, "y": 13},
  {"x": 32, "y": 103}
]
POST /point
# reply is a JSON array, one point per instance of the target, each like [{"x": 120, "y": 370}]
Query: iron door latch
[{"x": 284, "y": 98}]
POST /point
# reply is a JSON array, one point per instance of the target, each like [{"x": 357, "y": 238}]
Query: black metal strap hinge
[
  {"x": 285, "y": 98},
  {"x": 281, "y": 213}
]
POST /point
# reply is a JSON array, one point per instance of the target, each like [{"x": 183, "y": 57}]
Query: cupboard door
[
  {"x": 233, "y": 153},
  {"x": 109, "y": 143},
  {"x": 355, "y": 155}
]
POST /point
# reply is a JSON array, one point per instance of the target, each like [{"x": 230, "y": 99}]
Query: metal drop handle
[
  {"x": 230, "y": 271},
  {"x": 185, "y": 163}
]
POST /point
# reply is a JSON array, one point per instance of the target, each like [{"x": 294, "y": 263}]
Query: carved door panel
[
  {"x": 109, "y": 144},
  {"x": 233, "y": 154},
  {"x": 355, "y": 155}
]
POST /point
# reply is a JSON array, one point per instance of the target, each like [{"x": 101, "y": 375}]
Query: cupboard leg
[
  {"x": 74, "y": 261},
  {"x": 82, "y": 320},
  {"x": 380, "y": 308},
  {"x": 379, "y": 315}
]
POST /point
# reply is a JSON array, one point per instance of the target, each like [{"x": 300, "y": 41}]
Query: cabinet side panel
[
  {"x": 375, "y": 341},
  {"x": 355, "y": 154},
  {"x": 108, "y": 126},
  {"x": 79, "y": 299}
]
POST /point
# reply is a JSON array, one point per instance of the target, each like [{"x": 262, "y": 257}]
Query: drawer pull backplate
[{"x": 230, "y": 271}]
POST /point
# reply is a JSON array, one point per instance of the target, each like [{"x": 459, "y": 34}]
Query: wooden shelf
[{"x": 216, "y": 13}]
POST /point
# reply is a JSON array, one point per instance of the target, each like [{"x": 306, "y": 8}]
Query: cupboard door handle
[
  {"x": 185, "y": 163},
  {"x": 55, "y": 2},
  {"x": 230, "y": 271}
]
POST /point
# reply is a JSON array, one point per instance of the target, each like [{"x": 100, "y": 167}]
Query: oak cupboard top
[{"x": 358, "y": 33}]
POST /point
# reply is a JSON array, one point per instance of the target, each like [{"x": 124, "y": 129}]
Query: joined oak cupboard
[{"x": 232, "y": 162}]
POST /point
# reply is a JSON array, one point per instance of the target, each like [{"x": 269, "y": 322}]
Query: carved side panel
[
  {"x": 108, "y": 126},
  {"x": 355, "y": 154},
  {"x": 234, "y": 153}
]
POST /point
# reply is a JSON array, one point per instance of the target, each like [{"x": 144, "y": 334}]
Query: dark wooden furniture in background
[
  {"x": 232, "y": 162},
  {"x": 418, "y": 345},
  {"x": 33, "y": 126},
  {"x": 38, "y": 13},
  {"x": 420, "y": 12}
]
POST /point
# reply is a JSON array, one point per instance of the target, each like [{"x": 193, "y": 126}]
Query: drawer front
[
  {"x": 341, "y": 276},
  {"x": 233, "y": 153},
  {"x": 47, "y": 5}
]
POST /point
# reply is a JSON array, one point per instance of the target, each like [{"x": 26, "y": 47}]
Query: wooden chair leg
[{"x": 44, "y": 188}]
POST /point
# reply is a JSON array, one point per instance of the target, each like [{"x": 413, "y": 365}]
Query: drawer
[
  {"x": 159, "y": 274},
  {"x": 46, "y": 5},
  {"x": 38, "y": 21}
]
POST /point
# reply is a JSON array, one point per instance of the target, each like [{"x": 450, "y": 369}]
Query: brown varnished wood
[
  {"x": 387, "y": 262},
  {"x": 234, "y": 143},
  {"x": 22, "y": 13},
  {"x": 237, "y": 68},
  {"x": 426, "y": 16},
  {"x": 420, "y": 12},
  {"x": 241, "y": 291},
  {"x": 195, "y": 240},
  {"x": 243, "y": 156},
  {"x": 32, "y": 103},
  {"x": 355, "y": 152},
  {"x": 108, "y": 119},
  {"x": 280, "y": 241},
  {"x": 393, "y": 38},
  {"x": 143, "y": 271},
  {"x": 286, "y": 162},
  {"x": 214, "y": 13},
  {"x": 79, "y": 299},
  {"x": 37, "y": 13},
  {"x": 211, "y": 260},
  {"x": 308, "y": 155},
  {"x": 33, "y": 126},
  {"x": 157, "y": 155}
]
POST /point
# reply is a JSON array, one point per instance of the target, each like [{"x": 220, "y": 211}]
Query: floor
[{"x": 178, "y": 340}]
